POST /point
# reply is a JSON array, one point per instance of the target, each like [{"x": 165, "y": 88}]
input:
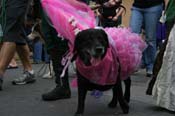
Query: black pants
[{"x": 57, "y": 48}]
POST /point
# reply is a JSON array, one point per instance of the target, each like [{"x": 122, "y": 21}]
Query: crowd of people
[{"x": 15, "y": 16}]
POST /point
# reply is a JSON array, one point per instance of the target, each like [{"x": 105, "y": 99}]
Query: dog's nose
[{"x": 99, "y": 50}]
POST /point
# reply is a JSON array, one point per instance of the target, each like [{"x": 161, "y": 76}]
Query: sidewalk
[{"x": 26, "y": 100}]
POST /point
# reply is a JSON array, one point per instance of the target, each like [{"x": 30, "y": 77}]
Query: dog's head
[
  {"x": 91, "y": 46},
  {"x": 36, "y": 33}
]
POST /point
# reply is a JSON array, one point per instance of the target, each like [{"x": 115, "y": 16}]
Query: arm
[
  {"x": 166, "y": 3},
  {"x": 119, "y": 12},
  {"x": 96, "y": 6}
]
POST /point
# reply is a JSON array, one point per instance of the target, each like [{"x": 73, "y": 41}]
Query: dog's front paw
[{"x": 125, "y": 109}]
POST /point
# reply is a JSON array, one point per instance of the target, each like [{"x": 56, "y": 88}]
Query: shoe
[
  {"x": 11, "y": 67},
  {"x": 48, "y": 75},
  {"x": 25, "y": 79},
  {"x": 1, "y": 81},
  {"x": 57, "y": 93},
  {"x": 149, "y": 74}
]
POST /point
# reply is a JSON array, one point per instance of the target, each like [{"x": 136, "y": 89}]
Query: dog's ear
[
  {"x": 76, "y": 44},
  {"x": 79, "y": 39},
  {"x": 105, "y": 36}
]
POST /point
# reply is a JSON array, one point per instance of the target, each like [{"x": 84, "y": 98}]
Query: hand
[
  {"x": 115, "y": 18},
  {"x": 110, "y": 17}
]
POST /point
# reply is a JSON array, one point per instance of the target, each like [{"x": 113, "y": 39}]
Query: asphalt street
[{"x": 25, "y": 100}]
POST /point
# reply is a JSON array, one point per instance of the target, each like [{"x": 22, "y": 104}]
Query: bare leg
[
  {"x": 28, "y": 76},
  {"x": 6, "y": 54},
  {"x": 24, "y": 54},
  {"x": 13, "y": 63}
]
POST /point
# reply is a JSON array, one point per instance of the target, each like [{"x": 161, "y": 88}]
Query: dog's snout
[{"x": 99, "y": 50}]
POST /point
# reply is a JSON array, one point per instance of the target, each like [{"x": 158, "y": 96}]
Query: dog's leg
[
  {"x": 113, "y": 102},
  {"x": 127, "y": 83},
  {"x": 123, "y": 103},
  {"x": 82, "y": 91}
]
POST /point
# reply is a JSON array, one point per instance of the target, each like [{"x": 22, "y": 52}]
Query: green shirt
[{"x": 170, "y": 11}]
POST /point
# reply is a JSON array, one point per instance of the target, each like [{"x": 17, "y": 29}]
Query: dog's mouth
[{"x": 95, "y": 61}]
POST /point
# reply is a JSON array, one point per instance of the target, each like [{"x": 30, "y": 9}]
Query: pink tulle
[
  {"x": 70, "y": 16},
  {"x": 129, "y": 47},
  {"x": 67, "y": 16}
]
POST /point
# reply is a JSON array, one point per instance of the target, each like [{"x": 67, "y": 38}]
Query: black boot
[
  {"x": 62, "y": 89},
  {"x": 59, "y": 92}
]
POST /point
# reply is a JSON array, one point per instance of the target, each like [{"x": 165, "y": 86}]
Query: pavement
[{"x": 25, "y": 100}]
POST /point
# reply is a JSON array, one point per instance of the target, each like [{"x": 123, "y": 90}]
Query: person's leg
[
  {"x": 13, "y": 64},
  {"x": 56, "y": 48},
  {"x": 24, "y": 54},
  {"x": 136, "y": 20},
  {"x": 150, "y": 31},
  {"x": 37, "y": 52},
  {"x": 62, "y": 89},
  {"x": 6, "y": 54},
  {"x": 136, "y": 24},
  {"x": 13, "y": 32},
  {"x": 47, "y": 75},
  {"x": 159, "y": 59},
  {"x": 46, "y": 55}
]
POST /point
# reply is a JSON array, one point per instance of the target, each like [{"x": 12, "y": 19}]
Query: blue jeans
[
  {"x": 147, "y": 18},
  {"x": 45, "y": 55},
  {"x": 37, "y": 52}
]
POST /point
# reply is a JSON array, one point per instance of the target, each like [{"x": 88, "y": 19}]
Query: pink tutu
[
  {"x": 70, "y": 16},
  {"x": 128, "y": 46}
]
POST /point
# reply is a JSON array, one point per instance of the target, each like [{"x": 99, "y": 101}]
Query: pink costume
[{"x": 70, "y": 16}]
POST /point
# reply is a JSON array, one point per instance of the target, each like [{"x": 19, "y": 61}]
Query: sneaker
[
  {"x": 1, "y": 81},
  {"x": 56, "y": 94},
  {"x": 25, "y": 79},
  {"x": 48, "y": 75},
  {"x": 149, "y": 74}
]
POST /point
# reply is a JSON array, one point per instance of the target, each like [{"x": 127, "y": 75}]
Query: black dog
[{"x": 93, "y": 44}]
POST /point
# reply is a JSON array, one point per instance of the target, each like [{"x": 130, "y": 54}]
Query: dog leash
[{"x": 66, "y": 60}]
